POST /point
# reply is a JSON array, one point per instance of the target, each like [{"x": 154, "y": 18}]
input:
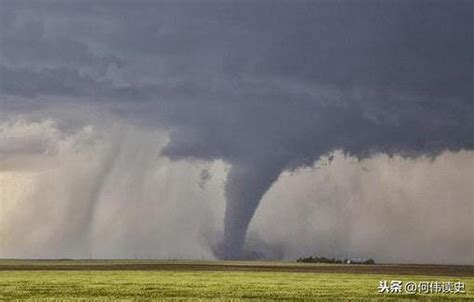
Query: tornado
[{"x": 245, "y": 187}]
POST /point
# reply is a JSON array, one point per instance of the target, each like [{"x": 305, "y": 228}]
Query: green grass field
[{"x": 203, "y": 285}]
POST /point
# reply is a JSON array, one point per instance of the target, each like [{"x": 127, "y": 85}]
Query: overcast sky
[{"x": 96, "y": 96}]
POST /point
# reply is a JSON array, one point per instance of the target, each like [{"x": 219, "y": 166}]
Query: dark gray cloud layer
[{"x": 266, "y": 86}]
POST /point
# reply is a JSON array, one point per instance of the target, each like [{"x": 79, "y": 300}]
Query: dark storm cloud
[{"x": 266, "y": 86}]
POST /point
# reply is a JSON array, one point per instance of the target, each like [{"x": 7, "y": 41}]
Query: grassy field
[{"x": 233, "y": 284}]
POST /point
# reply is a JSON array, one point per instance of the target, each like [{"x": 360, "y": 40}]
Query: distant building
[{"x": 360, "y": 260}]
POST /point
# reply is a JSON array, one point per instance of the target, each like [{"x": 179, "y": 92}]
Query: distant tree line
[{"x": 323, "y": 259}]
